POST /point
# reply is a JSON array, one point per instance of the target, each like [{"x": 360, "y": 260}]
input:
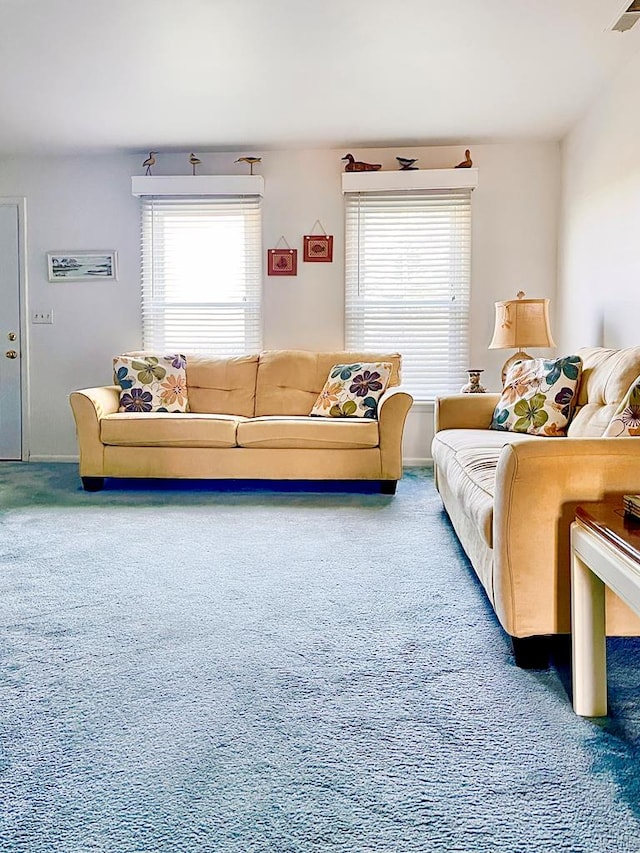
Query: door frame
[{"x": 23, "y": 331}]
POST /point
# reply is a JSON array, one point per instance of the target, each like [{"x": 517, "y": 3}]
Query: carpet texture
[{"x": 247, "y": 669}]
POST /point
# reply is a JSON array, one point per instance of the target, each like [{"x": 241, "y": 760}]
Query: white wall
[
  {"x": 86, "y": 203},
  {"x": 600, "y": 226}
]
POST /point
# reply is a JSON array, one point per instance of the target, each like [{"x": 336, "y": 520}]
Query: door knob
[{"x": 11, "y": 353}]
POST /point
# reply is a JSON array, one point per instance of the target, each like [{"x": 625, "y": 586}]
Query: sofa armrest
[
  {"x": 393, "y": 408},
  {"x": 538, "y": 485},
  {"x": 88, "y": 406},
  {"x": 464, "y": 411}
]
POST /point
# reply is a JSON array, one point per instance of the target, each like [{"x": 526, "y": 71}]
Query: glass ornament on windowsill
[{"x": 473, "y": 386}]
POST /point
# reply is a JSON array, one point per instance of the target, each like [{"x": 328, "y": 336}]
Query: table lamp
[{"x": 521, "y": 323}]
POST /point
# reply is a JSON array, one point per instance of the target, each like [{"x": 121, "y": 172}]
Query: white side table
[{"x": 605, "y": 548}]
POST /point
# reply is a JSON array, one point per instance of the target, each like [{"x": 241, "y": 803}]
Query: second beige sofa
[{"x": 511, "y": 498}]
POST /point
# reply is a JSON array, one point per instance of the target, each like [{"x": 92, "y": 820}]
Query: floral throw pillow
[
  {"x": 152, "y": 383},
  {"x": 539, "y": 396},
  {"x": 626, "y": 421},
  {"x": 353, "y": 391}
]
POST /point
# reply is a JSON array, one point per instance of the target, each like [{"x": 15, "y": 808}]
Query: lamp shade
[{"x": 522, "y": 323}]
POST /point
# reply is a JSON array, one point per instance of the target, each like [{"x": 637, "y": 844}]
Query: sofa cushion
[
  {"x": 289, "y": 381},
  {"x": 353, "y": 390},
  {"x": 607, "y": 375},
  {"x": 467, "y": 459},
  {"x": 151, "y": 383},
  {"x": 626, "y": 421},
  {"x": 306, "y": 432},
  {"x": 225, "y": 386},
  {"x": 538, "y": 396},
  {"x": 157, "y": 429}
]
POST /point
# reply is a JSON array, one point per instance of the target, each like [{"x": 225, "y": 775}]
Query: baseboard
[
  {"x": 46, "y": 457},
  {"x": 417, "y": 462}
]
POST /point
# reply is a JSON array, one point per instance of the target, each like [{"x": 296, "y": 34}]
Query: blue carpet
[{"x": 256, "y": 670}]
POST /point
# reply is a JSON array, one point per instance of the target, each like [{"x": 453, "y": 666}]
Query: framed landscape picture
[{"x": 95, "y": 265}]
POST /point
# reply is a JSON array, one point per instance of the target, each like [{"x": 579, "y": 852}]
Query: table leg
[{"x": 588, "y": 641}]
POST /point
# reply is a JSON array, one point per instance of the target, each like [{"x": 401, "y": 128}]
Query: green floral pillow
[
  {"x": 353, "y": 391},
  {"x": 152, "y": 383},
  {"x": 539, "y": 396},
  {"x": 626, "y": 421}
]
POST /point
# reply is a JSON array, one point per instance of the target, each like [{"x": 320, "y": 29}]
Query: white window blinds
[
  {"x": 408, "y": 282},
  {"x": 201, "y": 274}
]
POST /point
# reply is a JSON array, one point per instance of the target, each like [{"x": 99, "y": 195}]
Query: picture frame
[
  {"x": 282, "y": 261},
  {"x": 83, "y": 265},
  {"x": 318, "y": 248}
]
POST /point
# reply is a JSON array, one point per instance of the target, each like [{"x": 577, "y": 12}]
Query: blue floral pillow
[
  {"x": 539, "y": 396},
  {"x": 152, "y": 383},
  {"x": 353, "y": 391},
  {"x": 626, "y": 421}
]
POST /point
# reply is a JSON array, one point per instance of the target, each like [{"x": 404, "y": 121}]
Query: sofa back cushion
[
  {"x": 289, "y": 381},
  {"x": 607, "y": 375},
  {"x": 222, "y": 385}
]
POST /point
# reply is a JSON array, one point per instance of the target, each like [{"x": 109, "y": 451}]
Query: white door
[{"x": 10, "y": 348}]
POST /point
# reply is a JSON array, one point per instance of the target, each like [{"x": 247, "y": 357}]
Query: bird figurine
[
  {"x": 150, "y": 161},
  {"x": 406, "y": 163},
  {"x": 250, "y": 160},
  {"x": 194, "y": 162},
  {"x": 358, "y": 166},
  {"x": 467, "y": 163}
]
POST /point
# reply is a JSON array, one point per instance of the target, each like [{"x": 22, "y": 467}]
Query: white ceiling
[{"x": 206, "y": 75}]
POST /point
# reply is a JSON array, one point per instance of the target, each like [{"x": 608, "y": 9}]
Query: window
[
  {"x": 202, "y": 274},
  {"x": 408, "y": 282}
]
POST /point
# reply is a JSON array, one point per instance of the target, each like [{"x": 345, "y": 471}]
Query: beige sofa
[
  {"x": 511, "y": 498},
  {"x": 248, "y": 419}
]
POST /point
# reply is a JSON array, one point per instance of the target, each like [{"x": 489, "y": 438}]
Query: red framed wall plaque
[
  {"x": 318, "y": 248},
  {"x": 282, "y": 261}
]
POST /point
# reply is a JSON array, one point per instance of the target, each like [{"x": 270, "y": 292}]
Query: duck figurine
[
  {"x": 467, "y": 163},
  {"x": 354, "y": 165},
  {"x": 406, "y": 163}
]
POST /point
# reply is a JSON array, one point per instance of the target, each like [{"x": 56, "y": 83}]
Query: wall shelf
[
  {"x": 409, "y": 179},
  {"x": 197, "y": 185}
]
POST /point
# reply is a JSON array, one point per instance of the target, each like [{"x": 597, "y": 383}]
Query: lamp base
[{"x": 518, "y": 356}]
